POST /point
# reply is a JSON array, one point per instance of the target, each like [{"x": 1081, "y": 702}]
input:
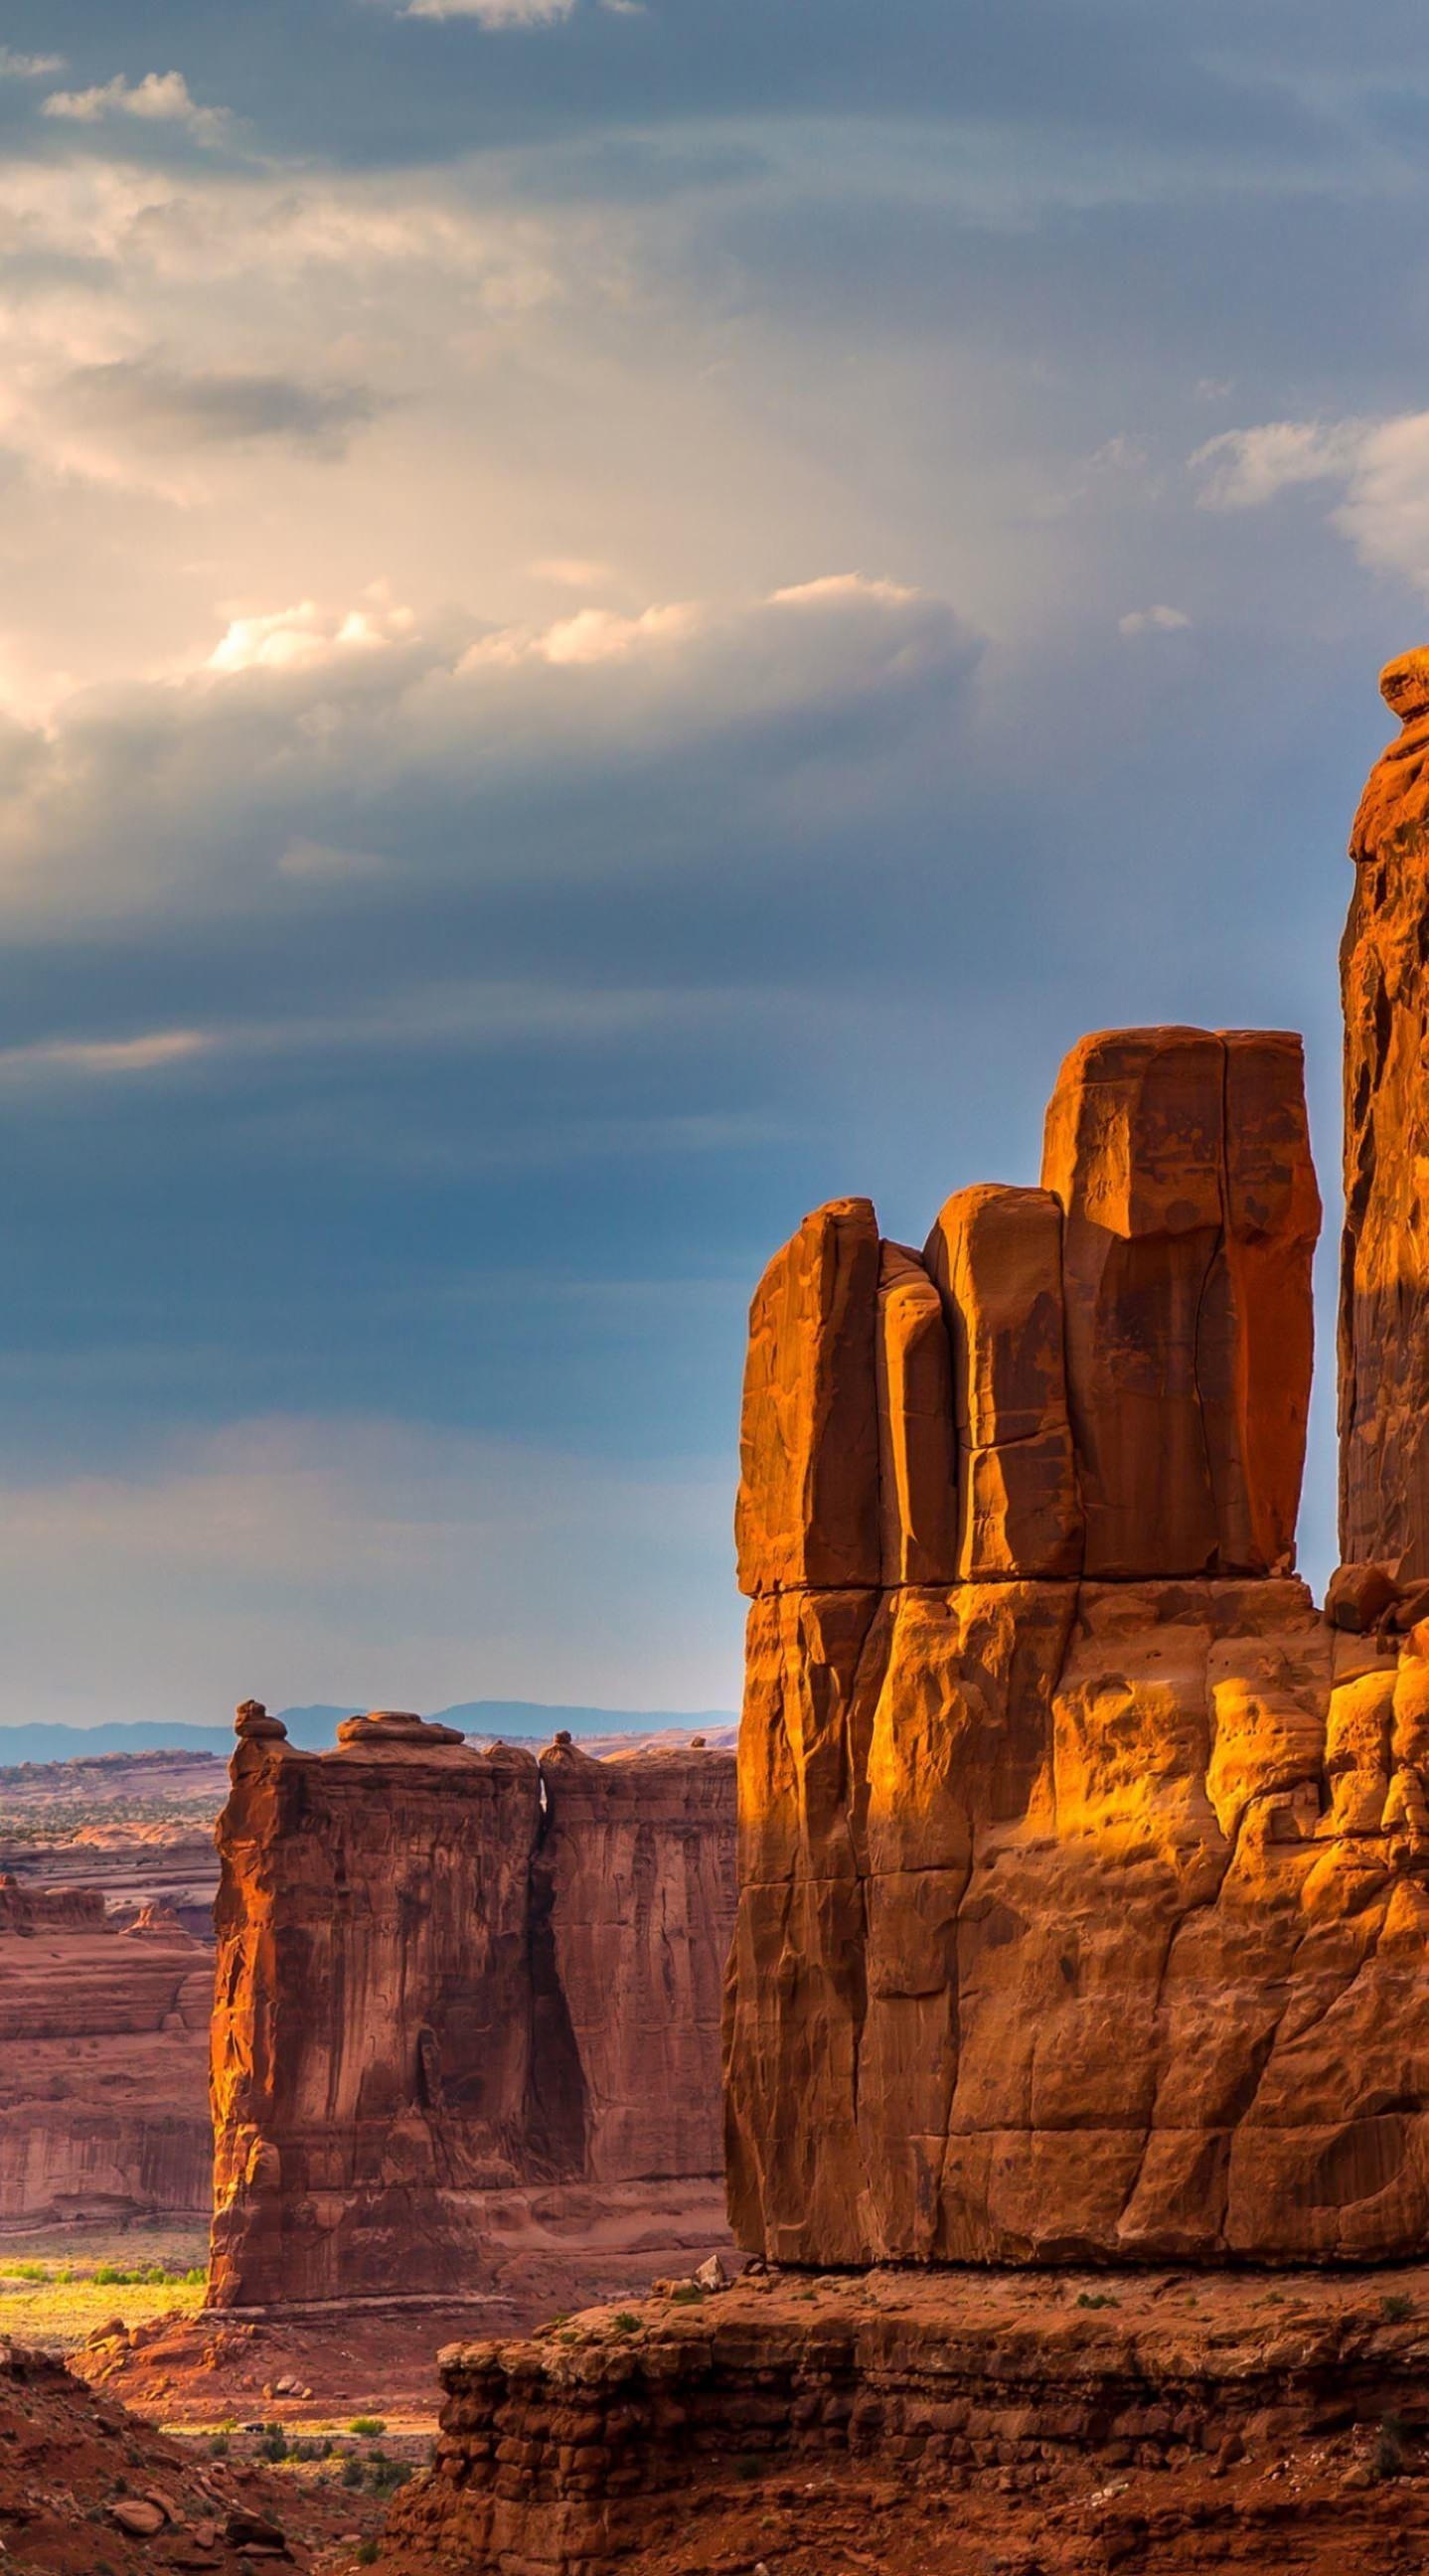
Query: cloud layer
[{"x": 615, "y": 621}]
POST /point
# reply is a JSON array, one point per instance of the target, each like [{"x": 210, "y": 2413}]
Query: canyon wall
[
  {"x": 467, "y": 2015},
  {"x": 1083, "y": 1864},
  {"x": 103, "y": 2063}
]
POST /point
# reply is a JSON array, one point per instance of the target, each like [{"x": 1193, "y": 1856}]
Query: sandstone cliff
[
  {"x": 1384, "y": 1270},
  {"x": 467, "y": 2010},
  {"x": 103, "y": 2063},
  {"x": 1083, "y": 1900}
]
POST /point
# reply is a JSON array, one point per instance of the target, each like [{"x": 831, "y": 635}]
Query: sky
[{"x": 618, "y": 617}]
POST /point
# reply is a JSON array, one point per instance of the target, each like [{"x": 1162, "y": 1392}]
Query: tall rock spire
[{"x": 1384, "y": 1268}]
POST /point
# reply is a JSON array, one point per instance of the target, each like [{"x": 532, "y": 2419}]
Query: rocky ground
[
  {"x": 87, "y": 2489},
  {"x": 953, "y": 2424}
]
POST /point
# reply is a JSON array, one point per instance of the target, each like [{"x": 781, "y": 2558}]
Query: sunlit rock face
[
  {"x": 1083, "y": 1899},
  {"x": 467, "y": 2015},
  {"x": 1384, "y": 1279}
]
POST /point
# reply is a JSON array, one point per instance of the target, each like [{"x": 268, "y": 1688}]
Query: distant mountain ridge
[{"x": 315, "y": 1726}]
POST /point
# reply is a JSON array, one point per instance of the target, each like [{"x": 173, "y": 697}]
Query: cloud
[
  {"x": 99, "y": 1058},
  {"x": 322, "y": 729},
  {"x": 1381, "y": 469},
  {"x": 15, "y": 66},
  {"x": 160, "y": 98},
  {"x": 367, "y": 1559},
  {"x": 494, "y": 13},
  {"x": 1245, "y": 467},
  {"x": 187, "y": 408},
  {"x": 570, "y": 572},
  {"x": 1148, "y": 621}
]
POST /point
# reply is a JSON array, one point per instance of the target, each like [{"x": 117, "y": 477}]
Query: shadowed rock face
[
  {"x": 462, "y": 1998},
  {"x": 1384, "y": 1273},
  {"x": 1084, "y": 1901}
]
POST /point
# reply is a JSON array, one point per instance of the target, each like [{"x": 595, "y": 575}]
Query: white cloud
[
  {"x": 15, "y": 66},
  {"x": 295, "y": 639},
  {"x": 1245, "y": 467},
  {"x": 245, "y": 765},
  {"x": 494, "y": 13},
  {"x": 160, "y": 98},
  {"x": 1380, "y": 466},
  {"x": 1148, "y": 621}
]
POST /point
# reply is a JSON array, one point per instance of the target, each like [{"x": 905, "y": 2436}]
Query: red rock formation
[
  {"x": 1182, "y": 1161},
  {"x": 808, "y": 1499},
  {"x": 464, "y": 2013},
  {"x": 103, "y": 2064},
  {"x": 1384, "y": 1273},
  {"x": 997, "y": 1256},
  {"x": 917, "y": 1449},
  {"x": 1087, "y": 1918}
]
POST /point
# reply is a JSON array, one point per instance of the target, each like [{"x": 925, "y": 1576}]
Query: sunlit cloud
[
  {"x": 1380, "y": 468},
  {"x": 15, "y": 66},
  {"x": 160, "y": 98},
  {"x": 494, "y": 13},
  {"x": 101, "y": 1058}
]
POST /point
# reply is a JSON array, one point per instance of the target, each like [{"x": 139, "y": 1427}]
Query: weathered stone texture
[
  {"x": 103, "y": 2063},
  {"x": 997, "y": 1256},
  {"x": 1182, "y": 1163},
  {"x": 455, "y": 2006},
  {"x": 1384, "y": 1273},
  {"x": 808, "y": 1501}
]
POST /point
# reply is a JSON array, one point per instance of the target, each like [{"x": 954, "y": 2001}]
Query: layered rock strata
[
  {"x": 1384, "y": 1267},
  {"x": 758, "y": 2419},
  {"x": 103, "y": 2063},
  {"x": 1083, "y": 1899},
  {"x": 467, "y": 2013}
]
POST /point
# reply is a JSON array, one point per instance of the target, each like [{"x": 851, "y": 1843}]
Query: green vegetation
[
  {"x": 1388, "y": 2460},
  {"x": 367, "y": 2427},
  {"x": 1397, "y": 2306},
  {"x": 625, "y": 2322},
  {"x": 59, "y": 2300}
]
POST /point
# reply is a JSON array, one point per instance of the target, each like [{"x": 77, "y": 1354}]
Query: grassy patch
[{"x": 85, "y": 2280}]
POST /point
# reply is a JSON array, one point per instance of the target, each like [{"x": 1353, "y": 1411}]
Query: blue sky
[{"x": 617, "y": 619}]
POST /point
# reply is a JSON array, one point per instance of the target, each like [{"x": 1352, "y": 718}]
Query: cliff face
[
  {"x": 461, "y": 2004},
  {"x": 1384, "y": 1270},
  {"x": 1083, "y": 1900},
  {"x": 103, "y": 2063}
]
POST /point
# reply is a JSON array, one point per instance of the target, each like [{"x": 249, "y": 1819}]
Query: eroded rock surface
[
  {"x": 1084, "y": 1913},
  {"x": 467, "y": 2003},
  {"x": 103, "y": 2063},
  {"x": 1384, "y": 1274}
]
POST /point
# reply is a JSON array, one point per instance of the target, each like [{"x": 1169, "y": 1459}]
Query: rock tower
[{"x": 1084, "y": 1904}]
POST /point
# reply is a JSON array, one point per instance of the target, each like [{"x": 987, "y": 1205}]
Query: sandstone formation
[
  {"x": 936, "y": 2423},
  {"x": 103, "y": 2063},
  {"x": 467, "y": 2014},
  {"x": 1384, "y": 1270},
  {"x": 1084, "y": 1904}
]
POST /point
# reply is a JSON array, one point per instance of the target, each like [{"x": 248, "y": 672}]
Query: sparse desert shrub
[
  {"x": 274, "y": 2443},
  {"x": 1397, "y": 2306},
  {"x": 352, "y": 2471},
  {"x": 218, "y": 2446},
  {"x": 685, "y": 2294},
  {"x": 1096, "y": 2299},
  {"x": 367, "y": 2427},
  {"x": 624, "y": 2322},
  {"x": 1387, "y": 2459},
  {"x": 367, "y": 2553}
]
